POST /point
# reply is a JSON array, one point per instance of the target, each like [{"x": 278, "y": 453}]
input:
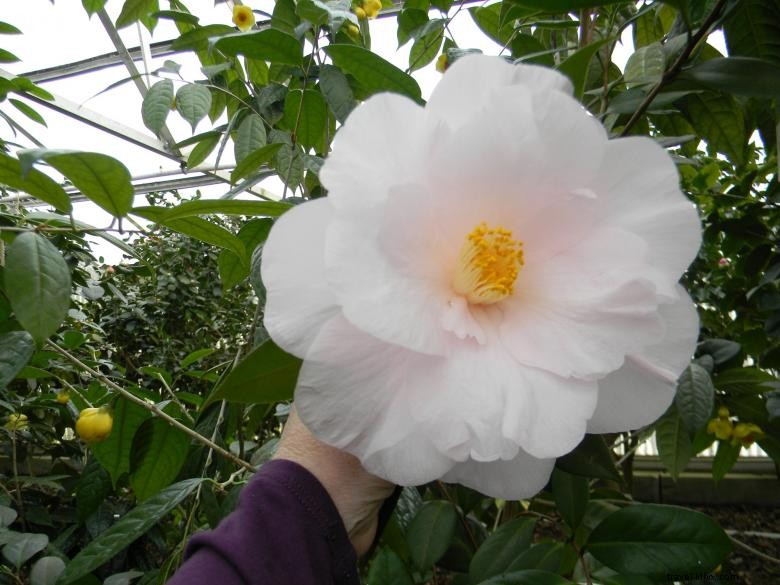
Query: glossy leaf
[
  {"x": 114, "y": 453},
  {"x": 387, "y": 568},
  {"x": 253, "y": 161},
  {"x": 674, "y": 442},
  {"x": 193, "y": 102},
  {"x": 695, "y": 397},
  {"x": 652, "y": 539},
  {"x": 501, "y": 548},
  {"x": 591, "y": 458},
  {"x": 306, "y": 114},
  {"x": 157, "y": 104},
  {"x": 93, "y": 487},
  {"x": 335, "y": 88},
  {"x": 430, "y": 532},
  {"x": 38, "y": 285},
  {"x": 127, "y": 529},
  {"x": 576, "y": 66},
  {"x": 23, "y": 547},
  {"x": 736, "y": 75},
  {"x": 571, "y": 493},
  {"x": 99, "y": 177},
  {"x": 35, "y": 183},
  {"x": 545, "y": 556},
  {"x": 158, "y": 453},
  {"x": 753, "y": 30},
  {"x": 267, "y": 45},
  {"x": 268, "y": 374},
  {"x": 372, "y": 72},
  {"x": 250, "y": 136},
  {"x": 16, "y": 349},
  {"x": 46, "y": 571},
  {"x": 233, "y": 269}
]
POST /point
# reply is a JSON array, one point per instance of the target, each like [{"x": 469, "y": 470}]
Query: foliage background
[{"x": 173, "y": 339}]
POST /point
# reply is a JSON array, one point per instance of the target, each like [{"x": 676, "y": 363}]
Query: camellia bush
[{"x": 138, "y": 399}]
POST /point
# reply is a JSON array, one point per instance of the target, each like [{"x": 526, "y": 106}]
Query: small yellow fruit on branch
[{"x": 94, "y": 424}]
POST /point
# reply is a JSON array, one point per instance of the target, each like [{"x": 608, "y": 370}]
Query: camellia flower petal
[{"x": 488, "y": 279}]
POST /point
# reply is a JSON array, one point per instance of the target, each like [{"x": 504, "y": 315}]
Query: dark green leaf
[
  {"x": 753, "y": 30},
  {"x": 131, "y": 526},
  {"x": 268, "y": 374},
  {"x": 306, "y": 115},
  {"x": 99, "y": 177},
  {"x": 203, "y": 149},
  {"x": 23, "y": 547},
  {"x": 571, "y": 494},
  {"x": 198, "y": 38},
  {"x": 37, "y": 283},
  {"x": 591, "y": 458},
  {"x": 725, "y": 458},
  {"x": 253, "y": 161},
  {"x": 528, "y": 577},
  {"x": 502, "y": 547},
  {"x": 430, "y": 532},
  {"x": 646, "y": 65},
  {"x": 205, "y": 231},
  {"x": 35, "y": 183},
  {"x": 387, "y": 568},
  {"x": 372, "y": 72},
  {"x": 156, "y": 105},
  {"x": 576, "y": 66},
  {"x": 28, "y": 111},
  {"x": 545, "y": 556},
  {"x": 93, "y": 488},
  {"x": 9, "y": 29},
  {"x": 206, "y": 206},
  {"x": 721, "y": 350},
  {"x": 695, "y": 397},
  {"x": 158, "y": 453},
  {"x": 16, "y": 349},
  {"x": 674, "y": 442},
  {"x": 46, "y": 571},
  {"x": 114, "y": 453},
  {"x": 8, "y": 57},
  {"x": 566, "y": 5},
  {"x": 193, "y": 102},
  {"x": 177, "y": 16},
  {"x": 267, "y": 45},
  {"x": 250, "y": 136},
  {"x": 737, "y": 75},
  {"x": 233, "y": 269},
  {"x": 719, "y": 121},
  {"x": 338, "y": 94},
  {"x": 651, "y": 539}
]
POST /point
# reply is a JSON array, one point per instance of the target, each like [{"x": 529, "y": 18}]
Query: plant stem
[
  {"x": 153, "y": 409},
  {"x": 672, "y": 72},
  {"x": 751, "y": 550}
]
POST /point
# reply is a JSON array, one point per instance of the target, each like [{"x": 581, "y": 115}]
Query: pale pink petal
[
  {"x": 470, "y": 79},
  {"x": 354, "y": 393},
  {"x": 298, "y": 299},
  {"x": 521, "y": 477},
  {"x": 641, "y": 391}
]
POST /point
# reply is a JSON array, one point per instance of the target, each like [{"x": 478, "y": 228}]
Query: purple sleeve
[{"x": 285, "y": 529}]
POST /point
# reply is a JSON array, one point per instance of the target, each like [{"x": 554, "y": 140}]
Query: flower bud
[
  {"x": 94, "y": 424},
  {"x": 723, "y": 412},
  {"x": 16, "y": 422},
  {"x": 63, "y": 397}
]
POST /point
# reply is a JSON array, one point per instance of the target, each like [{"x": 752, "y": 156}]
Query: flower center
[{"x": 488, "y": 265}]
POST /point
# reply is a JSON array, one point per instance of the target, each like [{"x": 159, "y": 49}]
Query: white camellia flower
[{"x": 489, "y": 279}]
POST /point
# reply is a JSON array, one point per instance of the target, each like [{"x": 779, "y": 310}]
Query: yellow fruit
[
  {"x": 441, "y": 63},
  {"x": 243, "y": 18},
  {"x": 94, "y": 424},
  {"x": 16, "y": 422},
  {"x": 63, "y": 397}
]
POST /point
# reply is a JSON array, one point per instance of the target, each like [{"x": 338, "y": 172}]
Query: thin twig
[
  {"x": 152, "y": 408},
  {"x": 672, "y": 72},
  {"x": 751, "y": 550},
  {"x": 172, "y": 394}
]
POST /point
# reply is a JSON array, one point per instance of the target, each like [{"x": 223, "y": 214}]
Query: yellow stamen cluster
[
  {"x": 368, "y": 9},
  {"x": 724, "y": 429},
  {"x": 243, "y": 17},
  {"x": 489, "y": 263}
]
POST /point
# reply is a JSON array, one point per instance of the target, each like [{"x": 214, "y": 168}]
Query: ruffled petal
[
  {"x": 641, "y": 391},
  {"x": 354, "y": 393},
  {"x": 521, "y": 477},
  {"x": 471, "y": 78},
  {"x": 298, "y": 300}
]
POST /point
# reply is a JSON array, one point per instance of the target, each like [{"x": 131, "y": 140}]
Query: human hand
[{"x": 357, "y": 494}]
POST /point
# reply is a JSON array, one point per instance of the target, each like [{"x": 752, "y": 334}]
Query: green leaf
[
  {"x": 158, "y": 453},
  {"x": 289, "y": 165},
  {"x": 410, "y": 20},
  {"x": 253, "y": 161},
  {"x": 753, "y": 30},
  {"x": 387, "y": 568},
  {"x": 645, "y": 66},
  {"x": 23, "y": 547},
  {"x": 674, "y": 442},
  {"x": 46, "y": 571},
  {"x": 268, "y": 374},
  {"x": 233, "y": 269},
  {"x": 16, "y": 349},
  {"x": 528, "y": 577},
  {"x": 571, "y": 493},
  {"x": 502, "y": 547},
  {"x": 545, "y": 556},
  {"x": 566, "y": 5},
  {"x": 156, "y": 105},
  {"x": 576, "y": 66},
  {"x": 721, "y": 350},
  {"x": 198, "y": 38},
  {"x": 193, "y": 102},
  {"x": 338, "y": 94},
  {"x": 250, "y": 136},
  {"x": 220, "y": 206},
  {"x": 114, "y": 453},
  {"x": 430, "y": 532},
  {"x": 736, "y": 75},
  {"x": 7, "y": 517},
  {"x": 93, "y": 487},
  {"x": 127, "y": 529},
  {"x": 38, "y": 285},
  {"x": 725, "y": 458},
  {"x": 203, "y": 149},
  {"x": 99, "y": 177},
  {"x": 205, "y": 231},
  {"x": 196, "y": 356},
  {"x": 306, "y": 115},
  {"x": 8, "y": 57},
  {"x": 652, "y": 539},
  {"x": 719, "y": 121},
  {"x": 177, "y": 16},
  {"x": 267, "y": 45},
  {"x": 28, "y": 111},
  {"x": 9, "y": 29},
  {"x": 134, "y": 10},
  {"x": 35, "y": 183},
  {"x": 372, "y": 72},
  {"x": 591, "y": 458},
  {"x": 695, "y": 397}
]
